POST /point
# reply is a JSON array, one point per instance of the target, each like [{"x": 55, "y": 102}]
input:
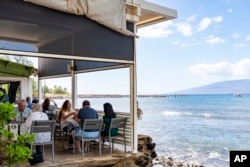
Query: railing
[{"x": 128, "y": 127}]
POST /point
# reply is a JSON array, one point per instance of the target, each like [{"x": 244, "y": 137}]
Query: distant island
[{"x": 225, "y": 87}]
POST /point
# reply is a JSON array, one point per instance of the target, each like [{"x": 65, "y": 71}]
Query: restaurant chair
[
  {"x": 90, "y": 124},
  {"x": 43, "y": 126},
  {"x": 119, "y": 123},
  {"x": 60, "y": 134},
  {"x": 51, "y": 114}
]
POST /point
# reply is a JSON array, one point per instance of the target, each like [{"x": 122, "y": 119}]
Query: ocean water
[{"x": 199, "y": 129}]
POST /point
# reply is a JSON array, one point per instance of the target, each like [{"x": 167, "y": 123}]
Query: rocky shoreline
[
  {"x": 147, "y": 156},
  {"x": 162, "y": 161}
]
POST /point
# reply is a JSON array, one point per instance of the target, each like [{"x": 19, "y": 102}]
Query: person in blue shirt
[
  {"x": 86, "y": 112},
  {"x": 28, "y": 102}
]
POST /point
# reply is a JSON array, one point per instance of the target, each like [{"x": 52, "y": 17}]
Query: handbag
[{"x": 36, "y": 158}]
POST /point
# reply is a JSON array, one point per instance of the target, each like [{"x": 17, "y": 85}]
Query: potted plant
[{"x": 12, "y": 151}]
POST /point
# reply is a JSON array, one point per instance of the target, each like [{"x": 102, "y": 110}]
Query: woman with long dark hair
[
  {"x": 66, "y": 115},
  {"x": 46, "y": 106},
  {"x": 67, "y": 119},
  {"x": 108, "y": 115}
]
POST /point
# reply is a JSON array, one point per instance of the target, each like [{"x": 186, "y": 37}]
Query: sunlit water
[{"x": 196, "y": 128}]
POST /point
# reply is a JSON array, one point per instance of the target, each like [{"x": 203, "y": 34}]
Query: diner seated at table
[
  {"x": 36, "y": 107},
  {"x": 41, "y": 137},
  {"x": 86, "y": 112},
  {"x": 67, "y": 119},
  {"x": 22, "y": 111},
  {"x": 108, "y": 115},
  {"x": 28, "y": 102},
  {"x": 47, "y": 106}
]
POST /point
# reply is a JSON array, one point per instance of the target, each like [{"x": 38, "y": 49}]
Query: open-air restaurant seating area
[{"x": 64, "y": 156}]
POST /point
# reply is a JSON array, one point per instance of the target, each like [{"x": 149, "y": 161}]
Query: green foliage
[
  {"x": 7, "y": 113},
  {"x": 34, "y": 86},
  {"x": 55, "y": 90},
  {"x": 18, "y": 59},
  {"x": 4, "y": 57},
  {"x": 17, "y": 151},
  {"x": 59, "y": 90},
  {"x": 12, "y": 152},
  {"x": 22, "y": 60},
  {"x": 45, "y": 89}
]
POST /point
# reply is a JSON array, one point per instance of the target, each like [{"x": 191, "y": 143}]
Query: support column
[
  {"x": 40, "y": 90},
  {"x": 73, "y": 86},
  {"x": 133, "y": 99},
  {"x": 26, "y": 87}
]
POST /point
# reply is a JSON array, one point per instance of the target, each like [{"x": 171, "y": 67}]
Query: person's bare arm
[
  {"x": 54, "y": 103},
  {"x": 65, "y": 116}
]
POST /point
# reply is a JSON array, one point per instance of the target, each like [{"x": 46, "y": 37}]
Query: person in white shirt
[
  {"x": 41, "y": 137},
  {"x": 67, "y": 119}
]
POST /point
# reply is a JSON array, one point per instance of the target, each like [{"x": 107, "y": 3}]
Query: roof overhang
[
  {"x": 140, "y": 12},
  {"x": 144, "y": 13},
  {"x": 92, "y": 45}
]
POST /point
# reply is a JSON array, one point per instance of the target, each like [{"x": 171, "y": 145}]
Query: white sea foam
[
  {"x": 172, "y": 113},
  {"x": 176, "y": 113},
  {"x": 214, "y": 154},
  {"x": 207, "y": 115}
]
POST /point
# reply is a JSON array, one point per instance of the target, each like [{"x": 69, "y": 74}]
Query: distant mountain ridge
[{"x": 225, "y": 87}]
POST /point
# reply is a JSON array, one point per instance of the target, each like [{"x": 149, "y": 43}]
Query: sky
[{"x": 208, "y": 42}]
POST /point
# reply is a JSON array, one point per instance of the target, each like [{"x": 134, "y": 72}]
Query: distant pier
[
  {"x": 116, "y": 96},
  {"x": 67, "y": 96}
]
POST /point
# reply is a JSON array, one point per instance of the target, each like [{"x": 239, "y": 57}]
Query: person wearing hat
[
  {"x": 86, "y": 112},
  {"x": 34, "y": 101},
  {"x": 36, "y": 106}
]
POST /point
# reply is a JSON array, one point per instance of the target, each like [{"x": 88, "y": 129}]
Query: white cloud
[
  {"x": 156, "y": 31},
  {"x": 222, "y": 68},
  {"x": 185, "y": 29},
  {"x": 239, "y": 69},
  {"x": 191, "y": 18},
  {"x": 248, "y": 38},
  {"x": 242, "y": 68},
  {"x": 230, "y": 10},
  {"x": 217, "y": 19},
  {"x": 235, "y": 35},
  {"x": 205, "y": 22},
  {"x": 212, "y": 39},
  {"x": 240, "y": 45}
]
